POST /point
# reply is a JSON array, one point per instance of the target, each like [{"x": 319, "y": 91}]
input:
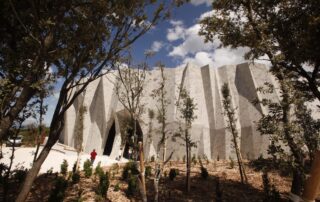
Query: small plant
[
  {"x": 152, "y": 158},
  {"x": 103, "y": 184},
  {"x": 148, "y": 171},
  {"x": 184, "y": 159},
  {"x": 58, "y": 192},
  {"x": 173, "y": 173},
  {"x": 204, "y": 173},
  {"x": 74, "y": 167},
  {"x": 132, "y": 185},
  {"x": 116, "y": 187},
  {"x": 131, "y": 168},
  {"x": 87, "y": 167},
  {"x": 115, "y": 167},
  {"x": 218, "y": 158},
  {"x": 194, "y": 159},
  {"x": 231, "y": 163},
  {"x": 165, "y": 173},
  {"x": 98, "y": 171},
  {"x": 50, "y": 171},
  {"x": 19, "y": 175},
  {"x": 75, "y": 177},
  {"x": 270, "y": 192},
  {"x": 64, "y": 167}
]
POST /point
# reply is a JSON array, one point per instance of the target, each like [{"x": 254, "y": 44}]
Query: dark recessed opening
[
  {"x": 110, "y": 139},
  {"x": 129, "y": 143}
]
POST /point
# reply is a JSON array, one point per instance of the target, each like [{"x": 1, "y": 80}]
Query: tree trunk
[
  {"x": 33, "y": 172},
  {"x": 156, "y": 182},
  {"x": 188, "y": 167},
  {"x": 142, "y": 173},
  {"x": 164, "y": 149},
  {"x": 6, "y": 122},
  {"x": 311, "y": 188}
]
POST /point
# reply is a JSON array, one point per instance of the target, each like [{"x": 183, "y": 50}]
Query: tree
[
  {"x": 186, "y": 108},
  {"x": 129, "y": 89},
  {"x": 77, "y": 40},
  {"x": 286, "y": 32},
  {"x": 289, "y": 124},
  {"x": 160, "y": 94},
  {"x": 229, "y": 112}
]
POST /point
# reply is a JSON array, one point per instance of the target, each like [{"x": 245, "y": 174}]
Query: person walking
[{"x": 93, "y": 155}]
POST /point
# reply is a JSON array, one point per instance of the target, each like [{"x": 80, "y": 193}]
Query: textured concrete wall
[{"x": 209, "y": 128}]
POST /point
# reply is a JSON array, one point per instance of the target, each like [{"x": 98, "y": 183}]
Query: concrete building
[{"x": 105, "y": 115}]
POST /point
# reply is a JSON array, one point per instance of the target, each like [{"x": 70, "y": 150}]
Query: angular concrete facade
[{"x": 103, "y": 121}]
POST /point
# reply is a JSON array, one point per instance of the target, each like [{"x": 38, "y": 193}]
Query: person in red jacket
[{"x": 93, "y": 155}]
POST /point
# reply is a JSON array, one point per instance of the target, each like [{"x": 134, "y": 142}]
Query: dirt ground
[{"x": 201, "y": 189}]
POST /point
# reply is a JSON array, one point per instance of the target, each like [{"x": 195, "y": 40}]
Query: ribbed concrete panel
[{"x": 208, "y": 129}]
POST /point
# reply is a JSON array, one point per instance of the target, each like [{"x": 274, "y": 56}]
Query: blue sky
[{"x": 175, "y": 43}]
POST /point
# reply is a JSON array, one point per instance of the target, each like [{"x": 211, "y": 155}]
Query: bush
[
  {"x": 116, "y": 187},
  {"x": 98, "y": 171},
  {"x": 152, "y": 158},
  {"x": 194, "y": 159},
  {"x": 173, "y": 173},
  {"x": 148, "y": 171},
  {"x": 87, "y": 167},
  {"x": 19, "y": 175},
  {"x": 270, "y": 192},
  {"x": 231, "y": 163},
  {"x": 75, "y": 177},
  {"x": 103, "y": 184},
  {"x": 131, "y": 168},
  {"x": 64, "y": 167},
  {"x": 58, "y": 192},
  {"x": 74, "y": 168},
  {"x": 204, "y": 173},
  {"x": 132, "y": 185}
]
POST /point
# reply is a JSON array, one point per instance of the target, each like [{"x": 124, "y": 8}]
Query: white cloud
[
  {"x": 177, "y": 32},
  {"x": 156, "y": 46},
  {"x": 194, "y": 49},
  {"x": 192, "y": 43},
  {"x": 199, "y": 2}
]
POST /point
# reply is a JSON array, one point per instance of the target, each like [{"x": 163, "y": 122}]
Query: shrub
[
  {"x": 173, "y": 173},
  {"x": 98, "y": 170},
  {"x": 148, "y": 171},
  {"x": 74, "y": 168},
  {"x": 115, "y": 167},
  {"x": 194, "y": 159},
  {"x": 20, "y": 174},
  {"x": 58, "y": 192},
  {"x": 204, "y": 173},
  {"x": 270, "y": 192},
  {"x": 87, "y": 167},
  {"x": 132, "y": 185},
  {"x": 152, "y": 158},
  {"x": 131, "y": 168},
  {"x": 116, "y": 187},
  {"x": 75, "y": 177},
  {"x": 103, "y": 184},
  {"x": 231, "y": 163},
  {"x": 64, "y": 167}
]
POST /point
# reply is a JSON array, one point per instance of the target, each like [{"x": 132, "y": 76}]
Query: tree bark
[
  {"x": 142, "y": 173},
  {"x": 7, "y": 120},
  {"x": 312, "y": 185}
]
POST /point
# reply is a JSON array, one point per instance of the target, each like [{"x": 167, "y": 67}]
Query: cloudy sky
[{"x": 175, "y": 43}]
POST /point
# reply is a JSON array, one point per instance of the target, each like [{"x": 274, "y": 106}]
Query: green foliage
[
  {"x": 148, "y": 171},
  {"x": 58, "y": 192},
  {"x": 75, "y": 177},
  {"x": 194, "y": 159},
  {"x": 98, "y": 170},
  {"x": 131, "y": 168},
  {"x": 173, "y": 173},
  {"x": 132, "y": 185},
  {"x": 204, "y": 173},
  {"x": 20, "y": 174},
  {"x": 103, "y": 184},
  {"x": 87, "y": 167},
  {"x": 231, "y": 162},
  {"x": 64, "y": 167},
  {"x": 74, "y": 167},
  {"x": 271, "y": 194},
  {"x": 116, "y": 187},
  {"x": 152, "y": 158}
]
